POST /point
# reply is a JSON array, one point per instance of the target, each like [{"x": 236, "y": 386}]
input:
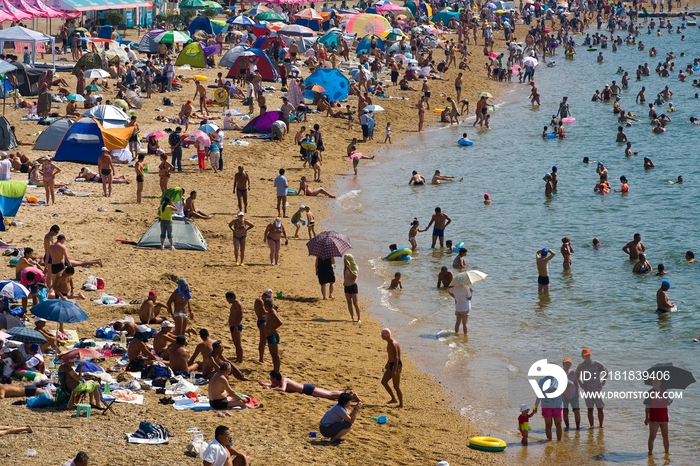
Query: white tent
[
  {"x": 109, "y": 116},
  {"x": 20, "y": 34}
]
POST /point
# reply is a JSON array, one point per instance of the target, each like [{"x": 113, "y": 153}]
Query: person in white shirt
[
  {"x": 279, "y": 130},
  {"x": 220, "y": 452},
  {"x": 281, "y": 185},
  {"x": 5, "y": 167},
  {"x": 463, "y": 304}
]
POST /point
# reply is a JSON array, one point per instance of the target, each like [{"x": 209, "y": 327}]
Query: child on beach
[
  {"x": 388, "y": 132},
  {"x": 296, "y": 220},
  {"x": 396, "y": 282},
  {"x": 310, "y": 223},
  {"x": 412, "y": 233},
  {"x": 356, "y": 157},
  {"x": 524, "y": 422}
]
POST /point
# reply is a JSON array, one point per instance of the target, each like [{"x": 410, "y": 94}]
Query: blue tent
[
  {"x": 332, "y": 80},
  {"x": 313, "y": 24},
  {"x": 363, "y": 46},
  {"x": 202, "y": 23},
  {"x": 11, "y": 194},
  {"x": 445, "y": 16},
  {"x": 82, "y": 143},
  {"x": 330, "y": 40}
]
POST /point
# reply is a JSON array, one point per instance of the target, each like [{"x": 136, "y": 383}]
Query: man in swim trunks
[
  {"x": 205, "y": 347},
  {"x": 202, "y": 92},
  {"x": 542, "y": 258},
  {"x": 221, "y": 394},
  {"x": 287, "y": 385},
  {"x": 164, "y": 338},
  {"x": 235, "y": 317},
  {"x": 445, "y": 277},
  {"x": 18, "y": 391},
  {"x": 635, "y": 247},
  {"x": 149, "y": 310},
  {"x": 58, "y": 258},
  {"x": 191, "y": 211},
  {"x": 663, "y": 304},
  {"x": 441, "y": 221},
  {"x": 437, "y": 178},
  {"x": 272, "y": 337},
  {"x": 393, "y": 367},
  {"x": 416, "y": 179},
  {"x": 241, "y": 185},
  {"x": 107, "y": 171},
  {"x": 213, "y": 360},
  {"x": 425, "y": 89},
  {"x": 261, "y": 314},
  {"x": 590, "y": 381},
  {"x": 179, "y": 357},
  {"x": 602, "y": 171}
]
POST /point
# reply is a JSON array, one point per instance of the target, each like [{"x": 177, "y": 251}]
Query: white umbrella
[
  {"x": 468, "y": 278},
  {"x": 296, "y": 30},
  {"x": 242, "y": 21},
  {"x": 170, "y": 37},
  {"x": 530, "y": 62},
  {"x": 374, "y": 108},
  {"x": 96, "y": 73}
]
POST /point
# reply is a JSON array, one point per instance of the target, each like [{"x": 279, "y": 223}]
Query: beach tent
[
  {"x": 186, "y": 235},
  {"x": 263, "y": 62},
  {"x": 192, "y": 54},
  {"x": 336, "y": 85},
  {"x": 202, "y": 23},
  {"x": 27, "y": 79},
  {"x": 364, "y": 45},
  {"x": 11, "y": 195},
  {"x": 147, "y": 43},
  {"x": 229, "y": 57},
  {"x": 109, "y": 116},
  {"x": 51, "y": 137},
  {"x": 331, "y": 40},
  {"x": 106, "y": 32},
  {"x": 263, "y": 123},
  {"x": 27, "y": 36},
  {"x": 7, "y": 137},
  {"x": 445, "y": 16},
  {"x": 90, "y": 61},
  {"x": 83, "y": 141}
]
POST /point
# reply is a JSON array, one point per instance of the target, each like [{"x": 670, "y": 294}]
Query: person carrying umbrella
[{"x": 656, "y": 414}]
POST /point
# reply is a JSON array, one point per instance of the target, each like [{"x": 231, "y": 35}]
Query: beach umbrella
[
  {"x": 202, "y": 138},
  {"x": 76, "y": 97},
  {"x": 388, "y": 6},
  {"x": 208, "y": 128},
  {"x": 93, "y": 87},
  {"x": 355, "y": 74},
  {"x": 400, "y": 57},
  {"x": 485, "y": 94},
  {"x": 13, "y": 290},
  {"x": 26, "y": 335},
  {"x": 673, "y": 377},
  {"x": 468, "y": 277},
  {"x": 491, "y": 5},
  {"x": 309, "y": 14},
  {"x": 96, "y": 73},
  {"x": 8, "y": 321},
  {"x": 328, "y": 244},
  {"x": 134, "y": 99},
  {"x": 256, "y": 10},
  {"x": 365, "y": 23},
  {"x": 317, "y": 88},
  {"x": 530, "y": 62},
  {"x": 297, "y": 30},
  {"x": 59, "y": 310},
  {"x": 269, "y": 16},
  {"x": 393, "y": 34},
  {"x": 374, "y": 108},
  {"x": 158, "y": 134},
  {"x": 213, "y": 5},
  {"x": 192, "y": 4},
  {"x": 241, "y": 20},
  {"x": 172, "y": 37},
  {"x": 80, "y": 354}
]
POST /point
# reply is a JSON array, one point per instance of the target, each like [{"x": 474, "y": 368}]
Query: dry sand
[{"x": 319, "y": 344}]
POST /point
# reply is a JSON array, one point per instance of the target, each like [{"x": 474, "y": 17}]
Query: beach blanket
[
  {"x": 127, "y": 396},
  {"x": 119, "y": 303},
  {"x": 147, "y": 441},
  {"x": 72, "y": 336}
]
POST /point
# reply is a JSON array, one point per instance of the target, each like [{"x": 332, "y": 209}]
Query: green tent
[
  {"x": 192, "y": 4},
  {"x": 193, "y": 55}
]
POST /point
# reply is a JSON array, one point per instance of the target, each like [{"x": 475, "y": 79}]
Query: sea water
[{"x": 600, "y": 304}]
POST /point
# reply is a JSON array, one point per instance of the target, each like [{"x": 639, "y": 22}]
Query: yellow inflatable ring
[
  {"x": 200, "y": 77},
  {"x": 438, "y": 110},
  {"x": 487, "y": 444},
  {"x": 398, "y": 253},
  {"x": 220, "y": 95}
]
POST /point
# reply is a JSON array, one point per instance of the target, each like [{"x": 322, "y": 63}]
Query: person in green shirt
[
  {"x": 165, "y": 213},
  {"x": 296, "y": 220}
]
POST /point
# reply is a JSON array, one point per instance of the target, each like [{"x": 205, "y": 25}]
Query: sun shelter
[
  {"x": 11, "y": 195},
  {"x": 27, "y": 78},
  {"x": 230, "y": 56},
  {"x": 7, "y": 137},
  {"x": 186, "y": 235},
  {"x": 147, "y": 43},
  {"x": 192, "y": 54},
  {"x": 20, "y": 34},
  {"x": 109, "y": 116},
  {"x": 336, "y": 85},
  {"x": 90, "y": 61},
  {"x": 262, "y": 62},
  {"x": 262, "y": 124},
  {"x": 84, "y": 140},
  {"x": 51, "y": 137}
]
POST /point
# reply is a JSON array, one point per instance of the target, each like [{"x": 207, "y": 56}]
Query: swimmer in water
[
  {"x": 678, "y": 181},
  {"x": 624, "y": 189},
  {"x": 396, "y": 282},
  {"x": 587, "y": 160},
  {"x": 621, "y": 136},
  {"x": 628, "y": 150},
  {"x": 544, "y": 133},
  {"x": 648, "y": 163},
  {"x": 548, "y": 187},
  {"x": 437, "y": 178},
  {"x": 661, "y": 270},
  {"x": 554, "y": 122},
  {"x": 658, "y": 129},
  {"x": 693, "y": 120},
  {"x": 487, "y": 198},
  {"x": 416, "y": 179},
  {"x": 690, "y": 256},
  {"x": 597, "y": 244},
  {"x": 464, "y": 137}
]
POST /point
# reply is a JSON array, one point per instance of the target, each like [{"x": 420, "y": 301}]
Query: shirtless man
[
  {"x": 180, "y": 302},
  {"x": 18, "y": 391},
  {"x": 51, "y": 340},
  {"x": 287, "y": 385},
  {"x": 566, "y": 251},
  {"x": 416, "y": 179},
  {"x": 272, "y": 336},
  {"x": 179, "y": 357},
  {"x": 163, "y": 338},
  {"x": 202, "y": 92},
  {"x": 63, "y": 286},
  {"x": 125, "y": 326},
  {"x": 425, "y": 89},
  {"x": 445, "y": 277},
  {"x": 261, "y": 314},
  {"x": 458, "y": 86},
  {"x": 58, "y": 258},
  {"x": 393, "y": 367},
  {"x": 107, "y": 171},
  {"x": 139, "y": 350},
  {"x": 543, "y": 257},
  {"x": 215, "y": 358},
  {"x": 441, "y": 221},
  {"x": 221, "y": 394},
  {"x": 235, "y": 317},
  {"x": 663, "y": 305},
  {"x": 190, "y": 209},
  {"x": 150, "y": 308},
  {"x": 635, "y": 247},
  {"x": 203, "y": 348},
  {"x": 437, "y": 177},
  {"x": 241, "y": 185},
  {"x": 621, "y": 136}
]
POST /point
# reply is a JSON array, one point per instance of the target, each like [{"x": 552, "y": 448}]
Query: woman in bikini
[
  {"x": 164, "y": 170},
  {"x": 239, "y": 226},
  {"x": 273, "y": 236},
  {"x": 180, "y": 300},
  {"x": 139, "y": 167},
  {"x": 304, "y": 188},
  {"x": 92, "y": 177},
  {"x": 642, "y": 266},
  {"x": 49, "y": 172}
]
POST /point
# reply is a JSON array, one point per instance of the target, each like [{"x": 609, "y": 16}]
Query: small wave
[
  {"x": 349, "y": 195},
  {"x": 386, "y": 294}
]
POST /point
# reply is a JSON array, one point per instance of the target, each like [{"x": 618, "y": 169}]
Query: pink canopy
[
  {"x": 12, "y": 12},
  {"x": 283, "y": 2},
  {"x": 46, "y": 11},
  {"x": 389, "y": 7},
  {"x": 22, "y": 5}
]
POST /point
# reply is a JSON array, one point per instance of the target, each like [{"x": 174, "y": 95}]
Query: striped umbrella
[
  {"x": 13, "y": 290},
  {"x": 309, "y": 14},
  {"x": 366, "y": 23},
  {"x": 328, "y": 244}
]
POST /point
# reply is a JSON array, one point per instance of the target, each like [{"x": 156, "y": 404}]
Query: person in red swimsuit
[{"x": 656, "y": 407}]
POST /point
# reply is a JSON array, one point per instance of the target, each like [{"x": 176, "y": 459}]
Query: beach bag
[
  {"x": 155, "y": 371},
  {"x": 41, "y": 401},
  {"x": 105, "y": 333}
]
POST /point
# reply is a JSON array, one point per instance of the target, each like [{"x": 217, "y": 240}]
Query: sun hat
[
  {"x": 104, "y": 149},
  {"x": 167, "y": 323},
  {"x": 524, "y": 407},
  {"x": 40, "y": 319},
  {"x": 240, "y": 214},
  {"x": 152, "y": 294},
  {"x": 143, "y": 328},
  {"x": 302, "y": 207},
  {"x": 268, "y": 292}
]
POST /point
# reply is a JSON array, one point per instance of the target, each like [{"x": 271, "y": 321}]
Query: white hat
[
  {"x": 143, "y": 328},
  {"x": 104, "y": 149},
  {"x": 166, "y": 323},
  {"x": 240, "y": 214},
  {"x": 302, "y": 207},
  {"x": 40, "y": 319},
  {"x": 524, "y": 407},
  {"x": 443, "y": 463},
  {"x": 268, "y": 292},
  {"x": 3, "y": 154}
]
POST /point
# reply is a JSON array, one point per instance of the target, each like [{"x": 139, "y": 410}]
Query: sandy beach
[{"x": 319, "y": 344}]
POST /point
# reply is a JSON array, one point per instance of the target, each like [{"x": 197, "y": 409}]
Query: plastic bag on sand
[
  {"x": 107, "y": 299},
  {"x": 183, "y": 387},
  {"x": 239, "y": 142},
  {"x": 185, "y": 67}
]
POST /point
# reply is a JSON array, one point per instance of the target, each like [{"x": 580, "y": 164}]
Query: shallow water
[{"x": 600, "y": 304}]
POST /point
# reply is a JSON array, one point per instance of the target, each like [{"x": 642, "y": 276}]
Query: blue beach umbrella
[
  {"x": 241, "y": 21},
  {"x": 59, "y": 310},
  {"x": 26, "y": 335},
  {"x": 76, "y": 97},
  {"x": 208, "y": 128},
  {"x": 13, "y": 290}
]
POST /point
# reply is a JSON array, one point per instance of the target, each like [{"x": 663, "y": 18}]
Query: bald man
[{"x": 392, "y": 370}]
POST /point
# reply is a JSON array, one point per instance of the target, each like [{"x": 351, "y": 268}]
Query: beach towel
[
  {"x": 147, "y": 441},
  {"x": 72, "y": 336},
  {"x": 118, "y": 303}
]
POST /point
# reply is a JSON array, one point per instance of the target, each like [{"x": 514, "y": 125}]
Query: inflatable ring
[
  {"x": 465, "y": 142},
  {"x": 568, "y": 120},
  {"x": 308, "y": 145},
  {"x": 291, "y": 192},
  {"x": 592, "y": 49},
  {"x": 457, "y": 247},
  {"x": 200, "y": 77},
  {"x": 438, "y": 110},
  {"x": 220, "y": 95},
  {"x": 404, "y": 258},
  {"x": 399, "y": 253},
  {"x": 487, "y": 444},
  {"x": 551, "y": 136}
]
